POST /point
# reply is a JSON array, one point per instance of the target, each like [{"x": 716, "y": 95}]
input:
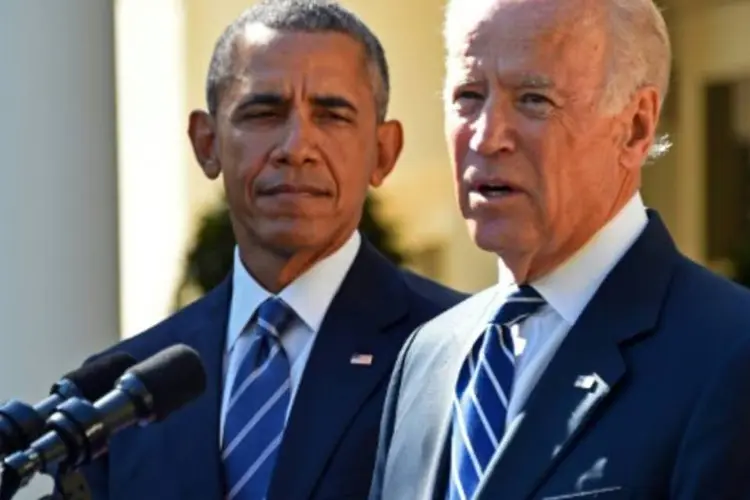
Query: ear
[
  {"x": 390, "y": 143},
  {"x": 202, "y": 132},
  {"x": 642, "y": 118}
]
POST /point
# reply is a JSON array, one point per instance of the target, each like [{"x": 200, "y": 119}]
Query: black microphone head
[
  {"x": 95, "y": 379},
  {"x": 173, "y": 378}
]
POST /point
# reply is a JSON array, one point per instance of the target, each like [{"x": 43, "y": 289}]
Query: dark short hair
[{"x": 310, "y": 16}]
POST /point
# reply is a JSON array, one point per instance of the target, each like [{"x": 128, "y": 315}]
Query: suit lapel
[
  {"x": 586, "y": 369},
  {"x": 447, "y": 365},
  {"x": 192, "y": 434},
  {"x": 333, "y": 389}
]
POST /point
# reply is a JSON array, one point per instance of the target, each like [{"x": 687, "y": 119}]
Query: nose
[
  {"x": 492, "y": 133},
  {"x": 296, "y": 147}
]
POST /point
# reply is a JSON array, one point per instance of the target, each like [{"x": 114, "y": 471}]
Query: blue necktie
[
  {"x": 256, "y": 412},
  {"x": 482, "y": 394}
]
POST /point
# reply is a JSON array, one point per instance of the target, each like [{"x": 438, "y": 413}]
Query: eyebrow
[
  {"x": 275, "y": 99},
  {"x": 333, "y": 102},
  {"x": 536, "y": 82},
  {"x": 262, "y": 99}
]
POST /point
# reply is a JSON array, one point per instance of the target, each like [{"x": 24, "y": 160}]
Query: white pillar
[
  {"x": 153, "y": 164},
  {"x": 58, "y": 191}
]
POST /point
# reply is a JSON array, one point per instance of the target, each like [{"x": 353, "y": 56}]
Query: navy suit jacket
[
  {"x": 647, "y": 398},
  {"x": 329, "y": 444}
]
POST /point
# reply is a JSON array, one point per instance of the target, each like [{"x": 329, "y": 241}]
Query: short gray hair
[{"x": 310, "y": 16}]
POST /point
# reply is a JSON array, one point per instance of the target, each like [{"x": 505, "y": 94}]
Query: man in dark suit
[
  {"x": 604, "y": 364},
  {"x": 299, "y": 340}
]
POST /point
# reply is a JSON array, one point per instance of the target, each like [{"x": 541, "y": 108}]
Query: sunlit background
[{"x": 101, "y": 198}]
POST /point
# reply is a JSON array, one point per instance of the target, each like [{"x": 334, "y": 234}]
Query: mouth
[
  {"x": 294, "y": 190},
  {"x": 495, "y": 189}
]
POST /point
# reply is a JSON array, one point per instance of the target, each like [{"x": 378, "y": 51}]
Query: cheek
[
  {"x": 557, "y": 159},
  {"x": 458, "y": 137},
  {"x": 337, "y": 155},
  {"x": 243, "y": 158}
]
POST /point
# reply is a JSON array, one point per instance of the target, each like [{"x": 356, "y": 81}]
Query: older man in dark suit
[
  {"x": 300, "y": 339},
  {"x": 604, "y": 364}
]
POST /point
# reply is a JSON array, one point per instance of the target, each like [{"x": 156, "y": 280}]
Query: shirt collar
[
  {"x": 570, "y": 287},
  {"x": 309, "y": 295}
]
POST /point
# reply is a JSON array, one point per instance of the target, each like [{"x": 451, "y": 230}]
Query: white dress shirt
[
  {"x": 567, "y": 291},
  {"x": 309, "y": 296}
]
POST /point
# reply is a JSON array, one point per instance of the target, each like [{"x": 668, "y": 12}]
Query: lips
[
  {"x": 293, "y": 189},
  {"x": 493, "y": 189}
]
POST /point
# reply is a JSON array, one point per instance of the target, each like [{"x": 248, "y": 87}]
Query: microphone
[
  {"x": 79, "y": 430},
  {"x": 21, "y": 423}
]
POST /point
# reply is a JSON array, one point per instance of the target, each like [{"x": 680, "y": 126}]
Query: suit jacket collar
[
  {"x": 333, "y": 389},
  {"x": 451, "y": 350},
  {"x": 371, "y": 298},
  {"x": 309, "y": 295},
  {"x": 587, "y": 367},
  {"x": 582, "y": 374},
  {"x": 569, "y": 288}
]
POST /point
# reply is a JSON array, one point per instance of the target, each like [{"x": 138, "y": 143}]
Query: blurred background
[{"x": 108, "y": 223}]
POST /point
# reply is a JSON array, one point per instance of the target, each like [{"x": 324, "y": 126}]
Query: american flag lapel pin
[{"x": 361, "y": 359}]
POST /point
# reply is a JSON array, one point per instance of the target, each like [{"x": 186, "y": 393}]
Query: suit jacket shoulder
[
  {"x": 450, "y": 327},
  {"x": 429, "y": 296},
  {"x": 182, "y": 324},
  {"x": 701, "y": 297}
]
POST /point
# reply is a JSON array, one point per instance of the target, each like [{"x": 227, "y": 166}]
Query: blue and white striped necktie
[
  {"x": 256, "y": 412},
  {"x": 483, "y": 390}
]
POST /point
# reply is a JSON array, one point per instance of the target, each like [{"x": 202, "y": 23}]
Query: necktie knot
[
  {"x": 520, "y": 304},
  {"x": 274, "y": 316}
]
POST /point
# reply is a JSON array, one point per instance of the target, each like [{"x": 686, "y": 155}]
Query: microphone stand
[
  {"x": 69, "y": 485},
  {"x": 9, "y": 484}
]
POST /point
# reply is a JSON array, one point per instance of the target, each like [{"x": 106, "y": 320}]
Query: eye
[
  {"x": 331, "y": 116},
  {"x": 258, "y": 115},
  {"x": 536, "y": 105},
  {"x": 336, "y": 116},
  {"x": 466, "y": 102},
  {"x": 467, "y": 95},
  {"x": 535, "y": 99}
]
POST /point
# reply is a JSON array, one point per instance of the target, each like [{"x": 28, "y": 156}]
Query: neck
[
  {"x": 275, "y": 269},
  {"x": 528, "y": 268}
]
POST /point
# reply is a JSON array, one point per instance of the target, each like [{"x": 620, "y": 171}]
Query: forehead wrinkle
[
  {"x": 548, "y": 19},
  {"x": 258, "y": 72},
  {"x": 554, "y": 33}
]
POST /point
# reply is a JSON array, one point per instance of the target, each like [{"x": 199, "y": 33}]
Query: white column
[
  {"x": 153, "y": 164},
  {"x": 58, "y": 191}
]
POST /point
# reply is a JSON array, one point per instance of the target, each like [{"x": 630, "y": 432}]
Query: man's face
[
  {"x": 297, "y": 140},
  {"x": 536, "y": 161}
]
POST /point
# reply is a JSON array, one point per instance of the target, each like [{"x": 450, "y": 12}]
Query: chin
[
  {"x": 293, "y": 241},
  {"x": 288, "y": 236},
  {"x": 500, "y": 237}
]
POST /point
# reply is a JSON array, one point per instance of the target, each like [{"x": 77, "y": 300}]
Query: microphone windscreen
[
  {"x": 173, "y": 377},
  {"x": 97, "y": 378}
]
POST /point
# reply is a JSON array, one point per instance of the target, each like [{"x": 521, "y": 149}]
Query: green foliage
[
  {"x": 210, "y": 258},
  {"x": 380, "y": 235}
]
